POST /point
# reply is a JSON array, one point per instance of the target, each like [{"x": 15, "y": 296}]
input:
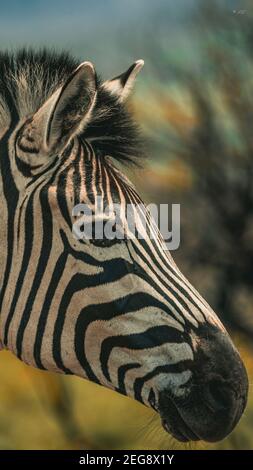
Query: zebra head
[{"x": 116, "y": 310}]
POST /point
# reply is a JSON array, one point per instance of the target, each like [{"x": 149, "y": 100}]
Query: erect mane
[{"x": 28, "y": 78}]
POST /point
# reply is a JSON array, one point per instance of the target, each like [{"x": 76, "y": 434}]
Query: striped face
[{"x": 116, "y": 311}]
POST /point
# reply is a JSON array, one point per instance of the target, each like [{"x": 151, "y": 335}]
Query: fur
[{"x": 28, "y": 78}]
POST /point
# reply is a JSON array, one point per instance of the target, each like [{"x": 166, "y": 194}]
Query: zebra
[{"x": 117, "y": 312}]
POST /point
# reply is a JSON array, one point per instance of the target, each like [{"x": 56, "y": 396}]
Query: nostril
[{"x": 217, "y": 395}]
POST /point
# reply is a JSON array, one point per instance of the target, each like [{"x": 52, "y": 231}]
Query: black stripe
[
  {"x": 122, "y": 370},
  {"x": 47, "y": 224},
  {"x": 28, "y": 237},
  {"x": 104, "y": 311},
  {"x": 53, "y": 283},
  {"x": 148, "y": 339},
  {"x": 26, "y": 169},
  {"x": 131, "y": 192},
  {"x": 26, "y": 149},
  {"x": 61, "y": 192},
  {"x": 178, "y": 368},
  {"x": 10, "y": 194},
  {"x": 173, "y": 286}
]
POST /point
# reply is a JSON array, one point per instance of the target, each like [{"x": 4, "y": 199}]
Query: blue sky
[
  {"x": 109, "y": 32},
  {"x": 99, "y": 30}
]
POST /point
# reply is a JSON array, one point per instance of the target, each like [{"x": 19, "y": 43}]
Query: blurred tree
[{"x": 216, "y": 145}]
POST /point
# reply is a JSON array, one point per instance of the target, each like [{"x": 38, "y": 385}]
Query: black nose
[
  {"x": 219, "y": 371},
  {"x": 215, "y": 397},
  {"x": 224, "y": 402},
  {"x": 222, "y": 380}
]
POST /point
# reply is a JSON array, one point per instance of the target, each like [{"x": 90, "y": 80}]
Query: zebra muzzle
[{"x": 215, "y": 396}]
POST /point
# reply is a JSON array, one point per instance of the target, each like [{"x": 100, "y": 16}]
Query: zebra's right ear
[
  {"x": 68, "y": 110},
  {"x": 121, "y": 86}
]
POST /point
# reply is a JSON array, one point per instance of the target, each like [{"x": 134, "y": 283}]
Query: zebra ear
[
  {"x": 68, "y": 110},
  {"x": 122, "y": 85}
]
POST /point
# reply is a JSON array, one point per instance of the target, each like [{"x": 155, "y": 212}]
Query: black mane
[{"x": 28, "y": 78}]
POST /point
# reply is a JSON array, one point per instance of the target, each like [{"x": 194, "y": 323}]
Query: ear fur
[
  {"x": 67, "y": 111},
  {"x": 121, "y": 86}
]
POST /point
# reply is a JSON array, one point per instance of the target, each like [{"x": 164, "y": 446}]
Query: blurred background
[{"x": 194, "y": 101}]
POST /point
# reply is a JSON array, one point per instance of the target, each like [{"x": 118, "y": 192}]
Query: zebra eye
[
  {"x": 117, "y": 237},
  {"x": 106, "y": 242}
]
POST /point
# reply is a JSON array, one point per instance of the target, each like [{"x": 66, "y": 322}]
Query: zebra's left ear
[
  {"x": 68, "y": 110},
  {"x": 122, "y": 85}
]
